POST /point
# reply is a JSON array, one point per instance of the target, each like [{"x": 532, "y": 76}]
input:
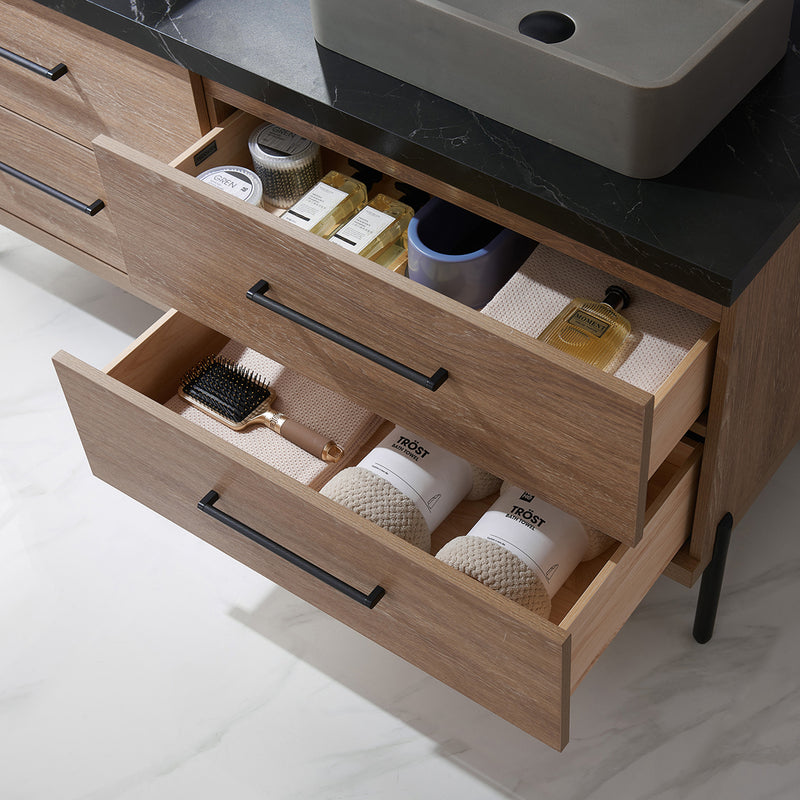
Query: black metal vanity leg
[{"x": 711, "y": 583}]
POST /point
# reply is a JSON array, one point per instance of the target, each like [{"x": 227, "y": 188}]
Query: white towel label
[
  {"x": 433, "y": 479},
  {"x": 547, "y": 540}
]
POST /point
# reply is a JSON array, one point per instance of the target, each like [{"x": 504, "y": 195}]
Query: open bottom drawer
[
  {"x": 503, "y": 656},
  {"x": 583, "y": 440}
]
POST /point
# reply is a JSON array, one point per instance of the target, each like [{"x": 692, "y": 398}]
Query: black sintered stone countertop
[{"x": 708, "y": 226}]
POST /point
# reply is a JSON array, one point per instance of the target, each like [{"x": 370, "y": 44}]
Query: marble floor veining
[{"x": 138, "y": 663}]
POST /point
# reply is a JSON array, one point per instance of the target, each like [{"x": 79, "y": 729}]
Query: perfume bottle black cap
[{"x": 617, "y": 298}]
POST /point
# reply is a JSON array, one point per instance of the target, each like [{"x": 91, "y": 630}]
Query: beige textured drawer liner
[
  {"x": 662, "y": 333},
  {"x": 301, "y": 399}
]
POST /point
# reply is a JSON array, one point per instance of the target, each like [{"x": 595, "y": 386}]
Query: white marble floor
[{"x": 138, "y": 663}]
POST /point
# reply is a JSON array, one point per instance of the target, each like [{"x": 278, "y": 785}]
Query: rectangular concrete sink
[{"x": 633, "y": 85}]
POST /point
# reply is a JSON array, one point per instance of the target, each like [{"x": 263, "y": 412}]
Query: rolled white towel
[{"x": 433, "y": 480}]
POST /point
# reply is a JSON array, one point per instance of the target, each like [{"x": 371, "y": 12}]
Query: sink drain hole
[{"x": 547, "y": 26}]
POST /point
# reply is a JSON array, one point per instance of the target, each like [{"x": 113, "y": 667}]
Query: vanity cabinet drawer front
[
  {"x": 576, "y": 436},
  {"x": 515, "y": 663},
  {"x": 109, "y": 87},
  {"x": 66, "y": 167}
]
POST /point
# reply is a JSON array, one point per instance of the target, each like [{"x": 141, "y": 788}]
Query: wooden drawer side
[
  {"x": 628, "y": 575},
  {"x": 684, "y": 397},
  {"x": 510, "y": 660}
]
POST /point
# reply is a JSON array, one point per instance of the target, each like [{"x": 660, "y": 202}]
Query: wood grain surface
[
  {"x": 754, "y": 414},
  {"x": 79, "y": 257},
  {"x": 683, "y": 397},
  {"x": 627, "y": 576},
  {"x": 66, "y": 166},
  {"x": 112, "y": 87},
  {"x": 515, "y": 663}
]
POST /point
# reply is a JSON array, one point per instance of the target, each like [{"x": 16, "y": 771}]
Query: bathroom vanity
[{"x": 151, "y": 98}]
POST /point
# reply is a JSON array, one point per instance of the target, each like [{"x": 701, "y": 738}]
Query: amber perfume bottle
[
  {"x": 590, "y": 330},
  {"x": 380, "y": 224},
  {"x": 332, "y": 201}
]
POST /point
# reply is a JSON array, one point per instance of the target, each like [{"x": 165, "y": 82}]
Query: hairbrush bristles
[{"x": 232, "y": 391}]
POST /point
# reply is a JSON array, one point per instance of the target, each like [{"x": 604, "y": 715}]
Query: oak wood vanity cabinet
[{"x": 617, "y": 457}]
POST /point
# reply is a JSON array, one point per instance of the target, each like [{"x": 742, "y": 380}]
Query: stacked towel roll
[
  {"x": 524, "y": 549},
  {"x": 408, "y": 485}
]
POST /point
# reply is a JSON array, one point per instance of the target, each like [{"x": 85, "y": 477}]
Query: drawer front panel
[
  {"x": 430, "y": 615},
  {"x": 110, "y": 87},
  {"x": 68, "y": 168},
  {"x": 578, "y": 437}
]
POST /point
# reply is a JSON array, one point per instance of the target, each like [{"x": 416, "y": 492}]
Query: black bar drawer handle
[
  {"x": 58, "y": 71},
  {"x": 257, "y": 295},
  {"x": 370, "y": 600},
  {"x": 91, "y": 209}
]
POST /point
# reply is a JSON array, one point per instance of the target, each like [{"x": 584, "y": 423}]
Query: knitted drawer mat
[
  {"x": 301, "y": 399},
  {"x": 662, "y": 332}
]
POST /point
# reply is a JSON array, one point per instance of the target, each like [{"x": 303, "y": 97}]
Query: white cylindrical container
[
  {"x": 236, "y": 181},
  {"x": 408, "y": 485},
  {"x": 288, "y": 164},
  {"x": 522, "y": 547}
]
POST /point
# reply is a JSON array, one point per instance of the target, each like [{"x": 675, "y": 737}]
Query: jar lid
[
  {"x": 236, "y": 181},
  {"x": 270, "y": 144}
]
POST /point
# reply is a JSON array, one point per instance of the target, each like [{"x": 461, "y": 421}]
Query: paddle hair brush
[{"x": 238, "y": 397}]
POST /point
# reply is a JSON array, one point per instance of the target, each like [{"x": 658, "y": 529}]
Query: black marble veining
[{"x": 709, "y": 226}]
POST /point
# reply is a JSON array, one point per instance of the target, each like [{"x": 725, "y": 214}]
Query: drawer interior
[
  {"x": 432, "y": 612},
  {"x": 153, "y": 367},
  {"x": 582, "y": 439},
  {"x": 679, "y": 396},
  {"x": 231, "y": 148}
]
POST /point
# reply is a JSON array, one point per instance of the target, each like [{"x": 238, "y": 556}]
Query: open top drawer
[
  {"x": 517, "y": 664},
  {"x": 581, "y": 439}
]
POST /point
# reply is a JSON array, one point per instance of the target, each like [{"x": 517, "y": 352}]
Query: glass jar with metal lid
[{"x": 288, "y": 164}]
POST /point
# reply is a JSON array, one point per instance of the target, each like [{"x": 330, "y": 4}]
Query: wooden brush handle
[{"x": 311, "y": 441}]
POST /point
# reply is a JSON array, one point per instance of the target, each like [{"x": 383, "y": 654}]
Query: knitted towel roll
[
  {"x": 499, "y": 569},
  {"x": 598, "y": 543},
  {"x": 375, "y": 499},
  {"x": 483, "y": 484}
]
